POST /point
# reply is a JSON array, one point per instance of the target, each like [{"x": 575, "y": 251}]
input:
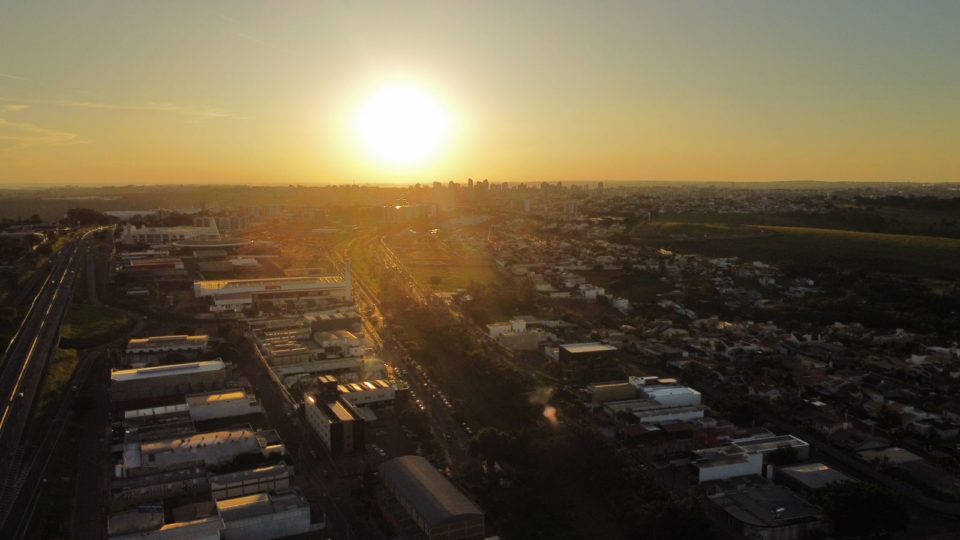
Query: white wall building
[
  {"x": 132, "y": 235},
  {"x": 726, "y": 462}
]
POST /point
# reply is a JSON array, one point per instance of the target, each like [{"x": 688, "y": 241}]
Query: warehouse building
[
  {"x": 808, "y": 478},
  {"x": 437, "y": 508},
  {"x": 250, "y": 482},
  {"x": 155, "y": 349},
  {"x": 759, "y": 510},
  {"x": 212, "y": 448},
  {"x": 265, "y": 516},
  {"x": 215, "y": 405},
  {"x": 235, "y": 295},
  {"x": 165, "y": 381},
  {"x": 207, "y": 528}
]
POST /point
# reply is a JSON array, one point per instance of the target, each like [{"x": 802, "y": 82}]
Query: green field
[
  {"x": 807, "y": 246},
  {"x": 447, "y": 277},
  {"x": 437, "y": 265},
  {"x": 89, "y": 322}
]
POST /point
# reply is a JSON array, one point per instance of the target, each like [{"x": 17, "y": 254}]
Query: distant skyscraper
[{"x": 599, "y": 187}]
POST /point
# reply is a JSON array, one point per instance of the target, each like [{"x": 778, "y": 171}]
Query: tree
[
  {"x": 87, "y": 216},
  {"x": 673, "y": 519},
  {"x": 859, "y": 509}
]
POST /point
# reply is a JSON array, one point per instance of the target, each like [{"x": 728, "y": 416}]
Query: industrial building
[
  {"x": 336, "y": 421},
  {"x": 155, "y": 349},
  {"x": 250, "y": 482},
  {"x": 234, "y": 295},
  {"x": 437, "y": 508},
  {"x": 658, "y": 400},
  {"x": 368, "y": 392},
  {"x": 726, "y": 462},
  {"x": 765, "y": 443},
  {"x": 215, "y": 405},
  {"x": 207, "y": 528},
  {"x": 133, "y": 234},
  {"x": 165, "y": 381},
  {"x": 261, "y": 516},
  {"x": 599, "y": 393},
  {"x": 197, "y": 408},
  {"x": 808, "y": 478},
  {"x": 265, "y": 516},
  {"x": 759, "y": 510},
  {"x": 667, "y": 392},
  {"x": 593, "y": 352},
  {"x": 746, "y": 456},
  {"x": 210, "y": 448}
]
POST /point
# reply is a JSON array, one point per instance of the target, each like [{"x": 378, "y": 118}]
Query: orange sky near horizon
[{"x": 108, "y": 92}]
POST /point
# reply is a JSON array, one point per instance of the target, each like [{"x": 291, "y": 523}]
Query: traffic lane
[{"x": 26, "y": 386}]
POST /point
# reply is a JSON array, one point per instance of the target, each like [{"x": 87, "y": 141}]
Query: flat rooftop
[
  {"x": 271, "y": 471},
  {"x": 213, "y": 285},
  {"x": 155, "y": 341},
  {"x": 583, "y": 348},
  {"x": 720, "y": 455},
  {"x": 260, "y": 504},
  {"x": 893, "y": 455},
  {"x": 760, "y": 504},
  {"x": 214, "y": 398},
  {"x": 173, "y": 370},
  {"x": 813, "y": 476},
  {"x": 768, "y": 443},
  {"x": 199, "y": 440}
]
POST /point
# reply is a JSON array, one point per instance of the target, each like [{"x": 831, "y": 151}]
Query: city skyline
[{"x": 262, "y": 93}]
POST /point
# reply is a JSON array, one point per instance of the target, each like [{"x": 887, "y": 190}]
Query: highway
[{"x": 21, "y": 375}]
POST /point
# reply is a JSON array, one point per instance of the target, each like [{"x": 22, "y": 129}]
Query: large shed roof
[{"x": 431, "y": 494}]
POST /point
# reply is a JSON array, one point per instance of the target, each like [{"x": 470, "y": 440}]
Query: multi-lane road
[{"x": 22, "y": 373}]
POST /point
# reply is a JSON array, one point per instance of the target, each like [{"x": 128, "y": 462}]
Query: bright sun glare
[{"x": 402, "y": 126}]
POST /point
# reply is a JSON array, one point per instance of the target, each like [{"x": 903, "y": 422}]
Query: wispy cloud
[
  {"x": 12, "y": 76},
  {"x": 14, "y": 108},
  {"x": 195, "y": 114},
  {"x": 20, "y": 135},
  {"x": 192, "y": 114}
]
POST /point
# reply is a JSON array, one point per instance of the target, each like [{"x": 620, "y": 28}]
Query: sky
[{"x": 234, "y": 91}]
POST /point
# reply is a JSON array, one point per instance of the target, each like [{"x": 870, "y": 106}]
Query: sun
[{"x": 402, "y": 126}]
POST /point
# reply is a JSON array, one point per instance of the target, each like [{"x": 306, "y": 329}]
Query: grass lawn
[
  {"x": 86, "y": 321},
  {"x": 452, "y": 276}
]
